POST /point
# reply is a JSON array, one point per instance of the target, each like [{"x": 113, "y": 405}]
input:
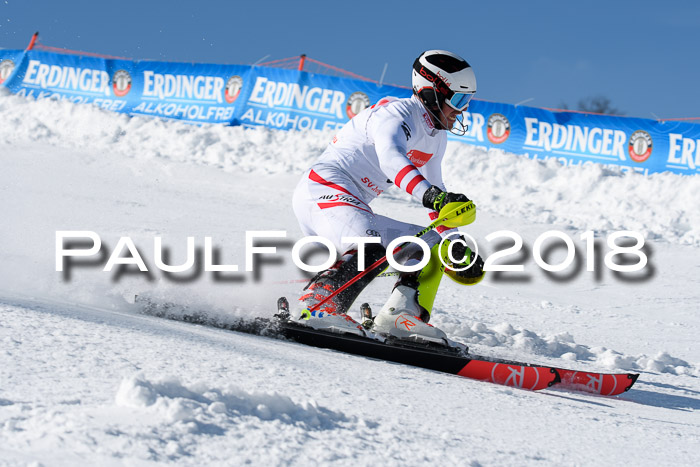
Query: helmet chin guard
[
  {"x": 429, "y": 98},
  {"x": 441, "y": 77},
  {"x": 459, "y": 128}
]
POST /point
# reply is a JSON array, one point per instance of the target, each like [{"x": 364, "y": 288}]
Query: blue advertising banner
[
  {"x": 196, "y": 93},
  {"x": 78, "y": 79},
  {"x": 8, "y": 62},
  {"x": 297, "y": 100},
  {"x": 575, "y": 138},
  {"x": 190, "y": 92}
]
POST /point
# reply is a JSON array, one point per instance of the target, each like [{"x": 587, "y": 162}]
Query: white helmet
[{"x": 441, "y": 76}]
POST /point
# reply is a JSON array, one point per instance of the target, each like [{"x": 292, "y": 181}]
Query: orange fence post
[
  {"x": 302, "y": 59},
  {"x": 31, "y": 43}
]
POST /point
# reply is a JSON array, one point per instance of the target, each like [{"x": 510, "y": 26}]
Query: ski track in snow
[
  {"x": 113, "y": 395},
  {"x": 84, "y": 379}
]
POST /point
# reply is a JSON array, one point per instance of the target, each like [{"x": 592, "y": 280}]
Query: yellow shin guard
[{"x": 430, "y": 276}]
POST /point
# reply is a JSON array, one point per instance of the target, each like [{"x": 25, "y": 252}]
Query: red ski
[
  {"x": 513, "y": 374},
  {"x": 605, "y": 384}
]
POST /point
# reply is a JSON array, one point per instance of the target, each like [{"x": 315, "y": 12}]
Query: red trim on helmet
[{"x": 437, "y": 80}]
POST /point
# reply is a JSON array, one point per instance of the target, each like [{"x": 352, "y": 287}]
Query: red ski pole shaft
[{"x": 359, "y": 276}]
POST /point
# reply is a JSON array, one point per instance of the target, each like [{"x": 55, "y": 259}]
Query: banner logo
[
  {"x": 554, "y": 137},
  {"x": 6, "y": 68},
  {"x": 168, "y": 86},
  {"x": 357, "y": 102},
  {"x": 640, "y": 146},
  {"x": 61, "y": 77},
  {"x": 497, "y": 128},
  {"x": 288, "y": 96},
  {"x": 233, "y": 88},
  {"x": 190, "y": 97},
  {"x": 121, "y": 83}
]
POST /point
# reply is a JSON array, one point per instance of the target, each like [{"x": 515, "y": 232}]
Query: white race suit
[{"x": 391, "y": 142}]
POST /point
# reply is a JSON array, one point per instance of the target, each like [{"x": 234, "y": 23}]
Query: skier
[{"x": 401, "y": 142}]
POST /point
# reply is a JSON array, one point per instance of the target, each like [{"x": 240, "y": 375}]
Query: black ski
[{"x": 429, "y": 356}]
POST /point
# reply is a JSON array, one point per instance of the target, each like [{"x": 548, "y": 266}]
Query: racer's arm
[
  {"x": 390, "y": 144},
  {"x": 390, "y": 138}
]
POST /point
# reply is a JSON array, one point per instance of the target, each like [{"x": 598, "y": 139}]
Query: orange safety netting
[
  {"x": 291, "y": 63},
  {"x": 47, "y": 48},
  {"x": 302, "y": 63}
]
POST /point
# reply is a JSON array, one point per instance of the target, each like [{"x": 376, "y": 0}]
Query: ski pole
[{"x": 455, "y": 215}]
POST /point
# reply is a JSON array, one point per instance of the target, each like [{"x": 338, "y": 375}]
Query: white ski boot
[{"x": 400, "y": 318}]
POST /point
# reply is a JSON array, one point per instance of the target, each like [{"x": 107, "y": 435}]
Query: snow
[{"x": 86, "y": 379}]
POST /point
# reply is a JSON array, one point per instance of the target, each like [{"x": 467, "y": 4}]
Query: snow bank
[
  {"x": 663, "y": 207},
  {"x": 63, "y": 124},
  {"x": 167, "y": 401},
  {"x": 520, "y": 341}
]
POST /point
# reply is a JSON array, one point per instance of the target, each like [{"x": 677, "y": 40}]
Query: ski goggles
[{"x": 460, "y": 100}]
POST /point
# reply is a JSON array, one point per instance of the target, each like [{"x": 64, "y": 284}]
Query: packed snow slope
[{"x": 86, "y": 379}]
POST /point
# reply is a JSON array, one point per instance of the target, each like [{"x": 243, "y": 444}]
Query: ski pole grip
[{"x": 456, "y": 214}]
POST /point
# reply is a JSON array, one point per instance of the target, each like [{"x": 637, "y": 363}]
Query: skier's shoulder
[
  {"x": 402, "y": 111},
  {"x": 394, "y": 105},
  {"x": 411, "y": 114}
]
